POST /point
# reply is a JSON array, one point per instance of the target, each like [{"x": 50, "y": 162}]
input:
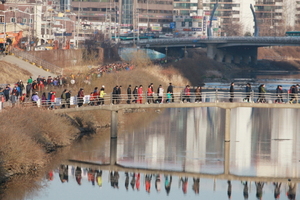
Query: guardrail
[
  {"x": 38, "y": 62},
  {"x": 206, "y": 40},
  {"x": 211, "y": 96}
]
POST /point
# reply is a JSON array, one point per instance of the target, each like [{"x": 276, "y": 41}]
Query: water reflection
[
  {"x": 181, "y": 154},
  {"x": 115, "y": 184},
  {"x": 182, "y": 139},
  {"x": 265, "y": 142}
]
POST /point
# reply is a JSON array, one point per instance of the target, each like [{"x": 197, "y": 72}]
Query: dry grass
[
  {"x": 11, "y": 73},
  {"x": 28, "y": 135},
  {"x": 141, "y": 60}
]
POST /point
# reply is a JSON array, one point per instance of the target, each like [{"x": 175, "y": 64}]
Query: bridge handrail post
[
  {"x": 252, "y": 96},
  {"x": 216, "y": 96}
]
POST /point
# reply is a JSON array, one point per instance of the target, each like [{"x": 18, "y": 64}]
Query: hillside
[{"x": 195, "y": 69}]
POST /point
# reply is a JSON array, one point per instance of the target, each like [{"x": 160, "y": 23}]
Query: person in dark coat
[
  {"x": 170, "y": 89},
  {"x": 129, "y": 94},
  {"x": 231, "y": 90}
]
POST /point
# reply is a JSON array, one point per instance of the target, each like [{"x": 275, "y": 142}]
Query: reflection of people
[
  {"x": 50, "y": 175},
  {"x": 196, "y": 185},
  {"x": 138, "y": 182},
  {"x": 99, "y": 177},
  {"x": 168, "y": 182},
  {"x": 91, "y": 176},
  {"x": 78, "y": 175},
  {"x": 184, "y": 182},
  {"x": 63, "y": 173},
  {"x": 126, "y": 180},
  {"x": 229, "y": 189},
  {"x": 277, "y": 190},
  {"x": 132, "y": 182},
  {"x": 245, "y": 191},
  {"x": 148, "y": 182},
  {"x": 114, "y": 179},
  {"x": 291, "y": 193},
  {"x": 259, "y": 189},
  {"x": 157, "y": 183}
]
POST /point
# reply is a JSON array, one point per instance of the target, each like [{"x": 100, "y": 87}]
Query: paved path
[{"x": 34, "y": 70}]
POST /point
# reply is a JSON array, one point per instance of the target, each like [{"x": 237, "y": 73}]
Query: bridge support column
[
  {"x": 237, "y": 59},
  {"x": 246, "y": 59},
  {"x": 114, "y": 124},
  {"x": 228, "y": 58},
  {"x": 220, "y": 56},
  {"x": 227, "y": 158},
  {"x": 227, "y": 141},
  {"x": 227, "y": 125},
  {"x": 113, "y": 137},
  {"x": 211, "y": 51},
  {"x": 113, "y": 151}
]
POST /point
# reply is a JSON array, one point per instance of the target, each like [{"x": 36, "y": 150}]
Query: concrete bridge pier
[
  {"x": 228, "y": 58},
  {"x": 237, "y": 59},
  {"x": 245, "y": 55},
  {"x": 227, "y": 141},
  {"x": 114, "y": 124},
  {"x": 113, "y": 137}
]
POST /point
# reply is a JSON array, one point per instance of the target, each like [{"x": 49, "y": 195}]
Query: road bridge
[{"x": 222, "y": 49}]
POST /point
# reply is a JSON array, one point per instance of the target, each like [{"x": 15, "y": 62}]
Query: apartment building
[
  {"x": 275, "y": 17},
  {"x": 125, "y": 15}
]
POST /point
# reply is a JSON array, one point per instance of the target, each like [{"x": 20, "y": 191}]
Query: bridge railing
[
  {"x": 210, "y": 96},
  {"x": 166, "y": 41}
]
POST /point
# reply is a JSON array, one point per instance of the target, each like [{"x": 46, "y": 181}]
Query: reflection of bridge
[
  {"x": 225, "y": 105},
  {"x": 226, "y": 175},
  {"x": 222, "y": 49}
]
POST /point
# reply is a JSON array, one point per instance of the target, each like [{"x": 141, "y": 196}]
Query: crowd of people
[
  {"x": 34, "y": 91},
  {"x": 113, "y": 67},
  {"x": 261, "y": 97},
  {"x": 134, "y": 180}
]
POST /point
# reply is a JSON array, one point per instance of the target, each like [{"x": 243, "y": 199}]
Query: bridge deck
[{"x": 224, "y": 105}]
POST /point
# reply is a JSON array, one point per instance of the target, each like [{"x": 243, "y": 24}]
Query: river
[{"x": 181, "y": 154}]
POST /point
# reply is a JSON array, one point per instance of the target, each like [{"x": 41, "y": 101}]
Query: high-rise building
[{"x": 275, "y": 17}]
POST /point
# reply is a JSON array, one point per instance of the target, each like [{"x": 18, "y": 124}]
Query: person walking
[
  {"x": 119, "y": 95},
  {"x": 248, "y": 91},
  {"x": 102, "y": 93},
  {"x": 129, "y": 94},
  {"x": 279, "y": 92},
  {"x": 135, "y": 94},
  {"x": 149, "y": 94},
  {"x": 231, "y": 90},
  {"x": 115, "y": 94},
  {"x": 186, "y": 94},
  {"x": 293, "y": 94},
  {"x": 63, "y": 98},
  {"x": 160, "y": 94},
  {"x": 80, "y": 97},
  {"x": 68, "y": 98},
  {"x": 170, "y": 90},
  {"x": 261, "y": 94},
  {"x": 140, "y": 94},
  {"x": 198, "y": 92}
]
